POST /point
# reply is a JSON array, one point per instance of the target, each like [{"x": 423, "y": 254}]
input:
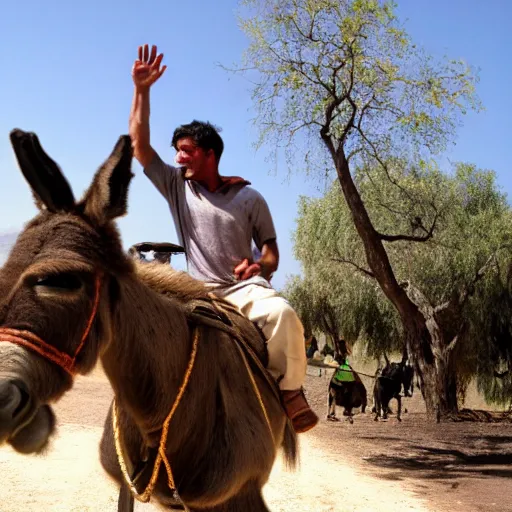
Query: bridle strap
[
  {"x": 161, "y": 457},
  {"x": 33, "y": 342}
]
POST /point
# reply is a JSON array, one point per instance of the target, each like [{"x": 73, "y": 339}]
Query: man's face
[{"x": 196, "y": 160}]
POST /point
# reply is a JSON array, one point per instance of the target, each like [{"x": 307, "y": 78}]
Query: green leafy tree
[
  {"x": 338, "y": 83},
  {"x": 461, "y": 277}
]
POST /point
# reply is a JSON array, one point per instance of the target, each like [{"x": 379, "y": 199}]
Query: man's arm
[
  {"x": 269, "y": 260},
  {"x": 265, "y": 266},
  {"x": 264, "y": 234},
  {"x": 146, "y": 71},
  {"x": 139, "y": 127}
]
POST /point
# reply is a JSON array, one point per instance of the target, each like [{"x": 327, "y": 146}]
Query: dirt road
[{"x": 69, "y": 478}]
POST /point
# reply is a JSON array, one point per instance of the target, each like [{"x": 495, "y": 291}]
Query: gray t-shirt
[{"x": 215, "y": 228}]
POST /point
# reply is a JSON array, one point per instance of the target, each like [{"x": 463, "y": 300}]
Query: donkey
[
  {"x": 388, "y": 385},
  {"x": 196, "y": 421},
  {"x": 408, "y": 380},
  {"x": 313, "y": 347},
  {"x": 348, "y": 395}
]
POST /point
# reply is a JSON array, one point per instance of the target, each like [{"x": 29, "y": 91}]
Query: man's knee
[
  {"x": 288, "y": 333},
  {"x": 285, "y": 316}
]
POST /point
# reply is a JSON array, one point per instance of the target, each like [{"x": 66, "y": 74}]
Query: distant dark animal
[
  {"x": 408, "y": 380},
  {"x": 348, "y": 395},
  {"x": 327, "y": 351},
  {"x": 388, "y": 385},
  {"x": 313, "y": 347}
]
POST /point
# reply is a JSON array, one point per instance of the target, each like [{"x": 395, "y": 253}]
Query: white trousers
[{"x": 280, "y": 326}]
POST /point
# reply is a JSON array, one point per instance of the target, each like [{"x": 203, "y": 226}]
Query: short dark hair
[{"x": 205, "y": 135}]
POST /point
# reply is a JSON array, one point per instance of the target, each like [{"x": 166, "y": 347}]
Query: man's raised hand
[{"x": 147, "y": 69}]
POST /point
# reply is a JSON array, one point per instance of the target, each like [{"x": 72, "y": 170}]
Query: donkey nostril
[
  {"x": 23, "y": 401},
  {"x": 14, "y": 398}
]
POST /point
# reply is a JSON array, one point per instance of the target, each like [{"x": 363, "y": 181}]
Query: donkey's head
[{"x": 57, "y": 287}]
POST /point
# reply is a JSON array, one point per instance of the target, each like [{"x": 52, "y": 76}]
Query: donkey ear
[
  {"x": 107, "y": 196},
  {"x": 48, "y": 184}
]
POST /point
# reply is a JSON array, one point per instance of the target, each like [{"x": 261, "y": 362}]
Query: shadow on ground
[{"x": 485, "y": 456}]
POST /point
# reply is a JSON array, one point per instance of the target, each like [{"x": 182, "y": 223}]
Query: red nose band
[{"x": 33, "y": 342}]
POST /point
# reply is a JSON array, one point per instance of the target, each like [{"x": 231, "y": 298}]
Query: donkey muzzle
[
  {"x": 24, "y": 425},
  {"x": 15, "y": 405}
]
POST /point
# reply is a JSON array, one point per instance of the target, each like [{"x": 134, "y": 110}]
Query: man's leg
[{"x": 284, "y": 333}]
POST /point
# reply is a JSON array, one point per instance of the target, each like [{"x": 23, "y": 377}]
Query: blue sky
[{"x": 66, "y": 76}]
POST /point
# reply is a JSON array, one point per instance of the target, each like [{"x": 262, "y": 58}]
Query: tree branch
[
  {"x": 308, "y": 36},
  {"x": 411, "y": 238},
  {"x": 299, "y": 67},
  {"x": 469, "y": 289},
  {"x": 350, "y": 123},
  {"x": 353, "y": 153},
  {"x": 452, "y": 344},
  {"x": 324, "y": 132},
  {"x": 331, "y": 107},
  {"x": 379, "y": 160},
  {"x": 294, "y": 130},
  {"x": 366, "y": 272}
]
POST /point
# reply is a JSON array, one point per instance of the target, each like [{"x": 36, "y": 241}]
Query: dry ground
[
  {"x": 366, "y": 466},
  {"x": 464, "y": 466}
]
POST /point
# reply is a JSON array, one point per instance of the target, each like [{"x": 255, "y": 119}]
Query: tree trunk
[
  {"x": 416, "y": 336},
  {"x": 436, "y": 371},
  {"x": 452, "y": 399},
  {"x": 330, "y": 326},
  {"x": 422, "y": 334}
]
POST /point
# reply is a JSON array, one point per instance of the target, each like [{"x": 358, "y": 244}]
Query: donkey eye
[{"x": 64, "y": 281}]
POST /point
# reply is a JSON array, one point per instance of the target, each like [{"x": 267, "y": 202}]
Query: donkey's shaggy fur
[{"x": 219, "y": 445}]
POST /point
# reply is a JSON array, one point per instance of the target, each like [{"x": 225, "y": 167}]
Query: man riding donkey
[
  {"x": 216, "y": 218},
  {"x": 346, "y": 388}
]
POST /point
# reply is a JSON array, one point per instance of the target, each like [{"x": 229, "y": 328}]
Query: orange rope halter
[{"x": 33, "y": 342}]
